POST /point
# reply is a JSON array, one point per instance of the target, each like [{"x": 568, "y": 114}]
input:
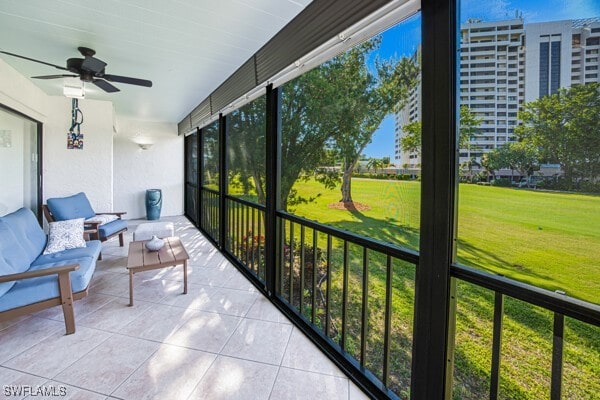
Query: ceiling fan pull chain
[{"x": 75, "y": 111}]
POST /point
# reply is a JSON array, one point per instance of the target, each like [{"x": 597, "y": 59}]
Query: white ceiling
[{"x": 187, "y": 48}]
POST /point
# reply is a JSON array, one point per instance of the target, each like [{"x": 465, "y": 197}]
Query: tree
[
  {"x": 565, "y": 128},
  {"x": 469, "y": 123},
  {"x": 246, "y": 146},
  {"x": 331, "y": 112},
  {"x": 375, "y": 164},
  {"x": 468, "y": 165},
  {"x": 522, "y": 157},
  {"x": 363, "y": 97},
  {"x": 306, "y": 137},
  {"x": 411, "y": 142},
  {"x": 210, "y": 155},
  {"x": 490, "y": 164},
  {"x": 306, "y": 103},
  {"x": 516, "y": 156}
]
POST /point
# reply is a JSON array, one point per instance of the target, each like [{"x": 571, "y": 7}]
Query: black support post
[
  {"x": 200, "y": 195},
  {"x": 222, "y": 180},
  {"x": 557, "y": 356},
  {"x": 496, "y": 346},
  {"x": 273, "y": 197},
  {"x": 430, "y": 362},
  {"x": 40, "y": 175}
]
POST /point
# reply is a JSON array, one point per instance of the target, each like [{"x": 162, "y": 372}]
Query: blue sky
[{"x": 403, "y": 39}]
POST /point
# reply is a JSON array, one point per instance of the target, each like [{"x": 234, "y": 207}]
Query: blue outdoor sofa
[{"x": 31, "y": 281}]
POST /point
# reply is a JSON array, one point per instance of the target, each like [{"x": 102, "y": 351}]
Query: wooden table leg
[
  {"x": 185, "y": 277},
  {"x": 130, "y": 287}
]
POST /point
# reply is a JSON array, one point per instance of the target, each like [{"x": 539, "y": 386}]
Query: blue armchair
[{"x": 78, "y": 206}]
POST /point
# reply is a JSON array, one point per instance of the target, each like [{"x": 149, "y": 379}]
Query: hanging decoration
[{"x": 74, "y": 136}]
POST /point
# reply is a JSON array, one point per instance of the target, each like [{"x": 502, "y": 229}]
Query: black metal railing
[
  {"x": 557, "y": 303},
  {"x": 347, "y": 289},
  {"x": 245, "y": 237},
  {"x": 210, "y": 212},
  {"x": 342, "y": 284}
]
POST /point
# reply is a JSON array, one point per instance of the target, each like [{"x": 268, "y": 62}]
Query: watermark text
[{"x": 37, "y": 390}]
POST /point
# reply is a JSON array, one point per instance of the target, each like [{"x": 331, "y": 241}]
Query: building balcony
[
  {"x": 223, "y": 339},
  {"x": 491, "y": 71}
]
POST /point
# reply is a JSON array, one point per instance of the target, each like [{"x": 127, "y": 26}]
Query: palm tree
[{"x": 375, "y": 164}]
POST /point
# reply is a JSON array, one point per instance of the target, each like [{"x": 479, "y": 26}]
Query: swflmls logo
[{"x": 28, "y": 390}]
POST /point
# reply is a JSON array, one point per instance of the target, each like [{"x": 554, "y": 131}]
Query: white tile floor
[{"x": 223, "y": 340}]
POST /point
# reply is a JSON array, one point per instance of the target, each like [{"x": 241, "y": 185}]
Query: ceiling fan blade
[
  {"x": 107, "y": 87},
  {"x": 54, "y": 76},
  {"x": 34, "y": 60},
  {"x": 125, "y": 79},
  {"x": 92, "y": 64}
]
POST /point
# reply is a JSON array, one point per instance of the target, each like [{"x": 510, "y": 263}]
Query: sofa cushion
[
  {"x": 72, "y": 207},
  {"x": 92, "y": 249},
  {"x": 11, "y": 250},
  {"x": 26, "y": 229},
  {"x": 102, "y": 218},
  {"x": 112, "y": 227},
  {"x": 29, "y": 291},
  {"x": 63, "y": 235}
]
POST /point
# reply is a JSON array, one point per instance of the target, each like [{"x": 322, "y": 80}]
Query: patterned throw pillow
[
  {"x": 102, "y": 218},
  {"x": 65, "y": 235}
]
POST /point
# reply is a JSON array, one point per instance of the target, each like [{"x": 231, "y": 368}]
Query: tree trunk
[
  {"x": 568, "y": 176},
  {"x": 347, "y": 185},
  {"x": 259, "y": 189}
]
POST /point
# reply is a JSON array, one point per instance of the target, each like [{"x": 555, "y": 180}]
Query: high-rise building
[
  {"x": 585, "y": 51},
  {"x": 492, "y": 70},
  {"x": 411, "y": 112},
  {"x": 560, "y": 54},
  {"x": 506, "y": 63}
]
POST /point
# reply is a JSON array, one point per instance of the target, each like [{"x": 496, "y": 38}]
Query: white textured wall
[
  {"x": 159, "y": 167},
  {"x": 89, "y": 170},
  {"x": 18, "y": 93}
]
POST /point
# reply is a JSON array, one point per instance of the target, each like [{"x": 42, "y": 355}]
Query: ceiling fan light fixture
[{"x": 74, "y": 92}]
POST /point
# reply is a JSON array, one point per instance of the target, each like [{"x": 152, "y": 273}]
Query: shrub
[
  {"x": 502, "y": 182},
  {"x": 589, "y": 187}
]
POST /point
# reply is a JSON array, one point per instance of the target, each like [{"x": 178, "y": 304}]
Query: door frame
[{"x": 40, "y": 177}]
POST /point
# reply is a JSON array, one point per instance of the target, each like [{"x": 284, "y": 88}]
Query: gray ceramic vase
[{"x": 155, "y": 244}]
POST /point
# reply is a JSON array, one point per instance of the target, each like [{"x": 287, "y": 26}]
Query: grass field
[{"x": 551, "y": 240}]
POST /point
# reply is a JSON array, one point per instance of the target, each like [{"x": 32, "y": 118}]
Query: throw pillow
[
  {"x": 65, "y": 235},
  {"x": 102, "y": 218}
]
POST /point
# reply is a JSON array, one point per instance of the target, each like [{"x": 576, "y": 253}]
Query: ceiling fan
[{"x": 88, "y": 69}]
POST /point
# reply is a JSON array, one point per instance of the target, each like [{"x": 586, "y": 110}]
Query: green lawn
[
  {"x": 548, "y": 239},
  {"x": 551, "y": 240}
]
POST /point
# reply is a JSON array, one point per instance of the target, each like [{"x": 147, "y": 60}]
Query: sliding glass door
[{"x": 20, "y": 162}]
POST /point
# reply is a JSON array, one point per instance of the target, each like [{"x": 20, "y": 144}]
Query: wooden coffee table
[{"x": 141, "y": 259}]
